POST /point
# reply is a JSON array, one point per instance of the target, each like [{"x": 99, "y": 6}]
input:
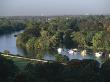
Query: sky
[{"x": 53, "y": 7}]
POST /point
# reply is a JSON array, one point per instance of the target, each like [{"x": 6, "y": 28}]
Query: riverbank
[
  {"x": 7, "y": 26},
  {"x": 21, "y": 62}
]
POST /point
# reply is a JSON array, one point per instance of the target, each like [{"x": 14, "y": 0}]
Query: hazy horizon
[{"x": 54, "y": 7}]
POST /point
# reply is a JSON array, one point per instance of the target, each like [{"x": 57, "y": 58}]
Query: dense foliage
[
  {"x": 73, "y": 71},
  {"x": 70, "y": 32},
  {"x": 8, "y": 26},
  {"x": 8, "y": 70},
  {"x": 79, "y": 32}
]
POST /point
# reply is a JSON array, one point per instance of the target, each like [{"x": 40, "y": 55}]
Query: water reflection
[{"x": 8, "y": 42}]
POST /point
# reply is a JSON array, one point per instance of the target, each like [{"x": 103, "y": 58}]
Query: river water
[{"x": 8, "y": 42}]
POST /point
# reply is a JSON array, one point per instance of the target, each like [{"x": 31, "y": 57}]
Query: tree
[
  {"x": 6, "y": 52},
  {"x": 8, "y": 70},
  {"x": 105, "y": 71},
  {"x": 68, "y": 42},
  {"x": 24, "y": 77},
  {"x": 60, "y": 58},
  {"x": 97, "y": 41},
  {"x": 80, "y": 38},
  {"x": 30, "y": 43},
  {"x": 39, "y": 56}
]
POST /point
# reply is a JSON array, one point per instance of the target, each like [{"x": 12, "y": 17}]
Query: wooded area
[{"x": 69, "y": 32}]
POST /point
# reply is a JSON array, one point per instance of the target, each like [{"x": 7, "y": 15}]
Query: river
[{"x": 8, "y": 42}]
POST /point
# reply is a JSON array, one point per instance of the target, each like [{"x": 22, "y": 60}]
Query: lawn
[{"x": 20, "y": 63}]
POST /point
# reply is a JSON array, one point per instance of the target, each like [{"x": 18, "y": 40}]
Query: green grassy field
[{"x": 21, "y": 63}]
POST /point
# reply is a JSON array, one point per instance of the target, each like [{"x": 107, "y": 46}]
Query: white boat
[
  {"x": 62, "y": 51},
  {"x": 109, "y": 55},
  {"x": 71, "y": 52},
  {"x": 98, "y": 54},
  {"x": 59, "y": 50},
  {"x": 67, "y": 51},
  {"x": 84, "y": 53},
  {"x": 75, "y": 50}
]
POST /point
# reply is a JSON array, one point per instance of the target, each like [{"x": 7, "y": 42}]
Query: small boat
[{"x": 15, "y": 35}]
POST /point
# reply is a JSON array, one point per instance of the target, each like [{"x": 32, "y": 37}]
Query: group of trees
[
  {"x": 73, "y": 71},
  {"x": 80, "y": 31},
  {"x": 8, "y": 26},
  {"x": 69, "y": 32},
  {"x": 8, "y": 69}
]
